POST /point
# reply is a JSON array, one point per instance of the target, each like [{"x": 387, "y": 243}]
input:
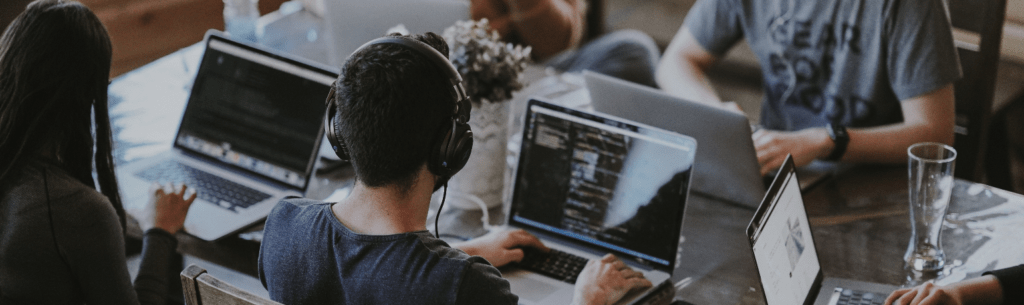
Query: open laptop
[
  {"x": 786, "y": 257},
  {"x": 350, "y": 23},
  {"x": 727, "y": 163},
  {"x": 248, "y": 137},
  {"x": 590, "y": 184}
]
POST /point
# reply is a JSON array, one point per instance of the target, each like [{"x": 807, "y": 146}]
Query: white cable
[{"x": 486, "y": 218}]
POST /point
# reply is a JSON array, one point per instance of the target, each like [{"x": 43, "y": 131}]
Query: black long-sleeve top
[
  {"x": 1012, "y": 281},
  {"x": 62, "y": 243}
]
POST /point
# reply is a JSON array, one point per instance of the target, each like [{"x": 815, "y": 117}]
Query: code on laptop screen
[
  {"x": 256, "y": 112},
  {"x": 602, "y": 182}
]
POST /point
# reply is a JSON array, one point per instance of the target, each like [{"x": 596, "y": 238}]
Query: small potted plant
[{"x": 491, "y": 71}]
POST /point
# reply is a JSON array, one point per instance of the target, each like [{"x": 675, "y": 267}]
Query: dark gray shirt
[
  {"x": 1012, "y": 281},
  {"x": 309, "y": 257},
  {"x": 69, "y": 248},
  {"x": 843, "y": 62}
]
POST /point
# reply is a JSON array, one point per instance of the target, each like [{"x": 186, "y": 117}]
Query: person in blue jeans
[
  {"x": 392, "y": 109},
  {"x": 555, "y": 29}
]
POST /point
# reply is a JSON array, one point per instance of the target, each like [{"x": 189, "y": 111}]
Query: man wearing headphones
[
  {"x": 852, "y": 81},
  {"x": 398, "y": 112}
]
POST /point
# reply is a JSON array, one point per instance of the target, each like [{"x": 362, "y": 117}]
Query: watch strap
[{"x": 840, "y": 138}]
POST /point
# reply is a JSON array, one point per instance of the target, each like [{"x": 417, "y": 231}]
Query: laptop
[
  {"x": 786, "y": 257},
  {"x": 727, "y": 163},
  {"x": 590, "y": 184},
  {"x": 249, "y": 136},
  {"x": 350, "y": 23}
]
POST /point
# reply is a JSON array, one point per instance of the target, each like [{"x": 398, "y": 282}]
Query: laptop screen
[
  {"x": 256, "y": 111},
  {"x": 611, "y": 184},
  {"x": 783, "y": 246}
]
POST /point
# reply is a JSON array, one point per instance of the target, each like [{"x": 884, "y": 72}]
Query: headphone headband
[
  {"x": 462, "y": 105},
  {"x": 453, "y": 143}
]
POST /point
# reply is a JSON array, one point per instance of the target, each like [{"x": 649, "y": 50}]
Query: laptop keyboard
[
  {"x": 556, "y": 264},
  {"x": 842, "y": 296},
  {"x": 221, "y": 192}
]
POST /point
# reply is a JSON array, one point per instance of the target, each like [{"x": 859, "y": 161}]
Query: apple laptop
[
  {"x": 727, "y": 166},
  {"x": 591, "y": 184},
  {"x": 248, "y": 137},
  {"x": 351, "y": 23}
]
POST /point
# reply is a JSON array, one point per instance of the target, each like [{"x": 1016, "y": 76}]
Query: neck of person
[{"x": 388, "y": 209}]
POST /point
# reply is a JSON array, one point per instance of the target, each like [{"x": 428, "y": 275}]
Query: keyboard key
[
  {"x": 222, "y": 192},
  {"x": 555, "y": 264}
]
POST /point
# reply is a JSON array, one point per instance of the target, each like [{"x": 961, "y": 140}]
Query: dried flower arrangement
[{"x": 491, "y": 69}]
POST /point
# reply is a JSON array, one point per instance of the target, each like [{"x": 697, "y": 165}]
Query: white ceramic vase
[{"x": 480, "y": 185}]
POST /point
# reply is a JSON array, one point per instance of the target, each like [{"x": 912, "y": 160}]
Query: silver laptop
[
  {"x": 727, "y": 163},
  {"x": 350, "y": 23},
  {"x": 248, "y": 137},
  {"x": 786, "y": 257},
  {"x": 590, "y": 184}
]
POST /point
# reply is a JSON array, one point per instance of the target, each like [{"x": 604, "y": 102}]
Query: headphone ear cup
[
  {"x": 460, "y": 148},
  {"x": 339, "y": 148},
  {"x": 451, "y": 152},
  {"x": 331, "y": 129}
]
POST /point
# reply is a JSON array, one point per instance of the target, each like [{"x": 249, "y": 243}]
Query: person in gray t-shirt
[{"x": 883, "y": 69}]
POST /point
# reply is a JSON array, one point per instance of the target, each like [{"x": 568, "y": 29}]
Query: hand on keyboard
[
  {"x": 607, "y": 280},
  {"x": 501, "y": 247},
  {"x": 167, "y": 207}
]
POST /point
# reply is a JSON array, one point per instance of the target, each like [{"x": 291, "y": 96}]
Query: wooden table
[{"x": 860, "y": 221}]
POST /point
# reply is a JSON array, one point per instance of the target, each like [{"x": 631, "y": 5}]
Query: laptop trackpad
[{"x": 538, "y": 290}]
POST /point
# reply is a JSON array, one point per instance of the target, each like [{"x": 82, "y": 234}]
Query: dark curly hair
[
  {"x": 391, "y": 103},
  {"x": 54, "y": 72}
]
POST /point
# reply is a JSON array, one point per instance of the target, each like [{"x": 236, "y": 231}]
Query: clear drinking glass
[
  {"x": 930, "y": 177},
  {"x": 240, "y": 19}
]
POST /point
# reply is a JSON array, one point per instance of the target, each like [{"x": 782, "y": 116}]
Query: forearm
[
  {"x": 888, "y": 144},
  {"x": 467, "y": 247},
  {"x": 549, "y": 26},
  {"x": 926, "y": 118},
  {"x": 157, "y": 252}
]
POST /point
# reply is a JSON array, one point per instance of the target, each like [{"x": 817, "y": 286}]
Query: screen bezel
[
  {"x": 753, "y": 229},
  {"x": 317, "y": 68},
  {"x": 612, "y": 122}
]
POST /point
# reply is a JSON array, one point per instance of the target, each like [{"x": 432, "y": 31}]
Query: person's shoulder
[
  {"x": 297, "y": 207},
  {"x": 294, "y": 213},
  {"x": 71, "y": 200},
  {"x": 45, "y": 195}
]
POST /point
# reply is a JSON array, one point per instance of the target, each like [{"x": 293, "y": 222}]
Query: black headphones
[{"x": 452, "y": 144}]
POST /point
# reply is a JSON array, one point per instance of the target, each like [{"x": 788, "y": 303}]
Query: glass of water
[
  {"x": 240, "y": 19},
  {"x": 930, "y": 177}
]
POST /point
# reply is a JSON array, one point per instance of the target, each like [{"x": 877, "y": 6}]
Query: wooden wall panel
[{"x": 145, "y": 30}]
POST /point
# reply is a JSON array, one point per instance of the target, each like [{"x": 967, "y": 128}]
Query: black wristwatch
[{"x": 840, "y": 138}]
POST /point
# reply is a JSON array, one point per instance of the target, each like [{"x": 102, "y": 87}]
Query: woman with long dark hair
[{"x": 61, "y": 240}]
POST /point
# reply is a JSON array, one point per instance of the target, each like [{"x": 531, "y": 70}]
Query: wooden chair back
[
  {"x": 202, "y": 288},
  {"x": 1004, "y": 160},
  {"x": 978, "y": 30},
  {"x": 594, "y": 20}
]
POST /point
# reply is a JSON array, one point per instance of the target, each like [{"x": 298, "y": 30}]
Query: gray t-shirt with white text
[{"x": 843, "y": 62}]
